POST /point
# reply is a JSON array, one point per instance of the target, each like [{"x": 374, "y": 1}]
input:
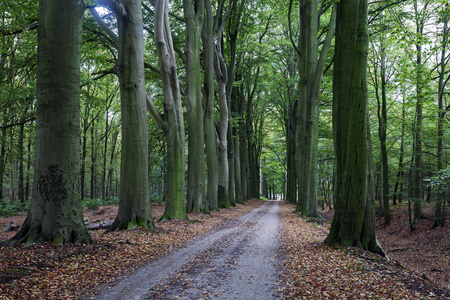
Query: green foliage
[
  {"x": 97, "y": 202},
  {"x": 16, "y": 208},
  {"x": 440, "y": 183}
]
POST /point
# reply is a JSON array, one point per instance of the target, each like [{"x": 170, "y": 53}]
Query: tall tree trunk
[
  {"x": 84, "y": 152},
  {"x": 239, "y": 190},
  {"x": 93, "y": 184},
  {"x": 21, "y": 191},
  {"x": 382, "y": 129},
  {"x": 27, "y": 178},
  {"x": 234, "y": 177},
  {"x": 400, "y": 173},
  {"x": 11, "y": 174},
  {"x": 105, "y": 151},
  {"x": 353, "y": 222},
  {"x": 173, "y": 124},
  {"x": 310, "y": 70},
  {"x": 252, "y": 174},
  {"x": 134, "y": 198},
  {"x": 110, "y": 191},
  {"x": 210, "y": 131},
  {"x": 220, "y": 69},
  {"x": 438, "y": 215},
  {"x": 417, "y": 174},
  {"x": 193, "y": 15},
  {"x": 55, "y": 214},
  {"x": 2, "y": 161}
]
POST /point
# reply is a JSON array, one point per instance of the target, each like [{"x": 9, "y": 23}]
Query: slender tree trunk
[
  {"x": 400, "y": 173},
  {"x": 21, "y": 191},
  {"x": 417, "y": 175},
  {"x": 84, "y": 152},
  {"x": 55, "y": 214},
  {"x": 27, "y": 179},
  {"x": 11, "y": 177},
  {"x": 353, "y": 223},
  {"x": 210, "y": 131},
  {"x": 105, "y": 151},
  {"x": 93, "y": 161},
  {"x": 2, "y": 161},
  {"x": 382, "y": 129},
  {"x": 234, "y": 187},
  {"x": 239, "y": 190},
  {"x": 134, "y": 198},
  {"x": 310, "y": 70},
  {"x": 222, "y": 129},
  {"x": 110, "y": 192},
  {"x": 438, "y": 215},
  {"x": 243, "y": 153},
  {"x": 291, "y": 180}
]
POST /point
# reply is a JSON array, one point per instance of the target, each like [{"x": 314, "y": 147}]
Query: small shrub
[{"x": 16, "y": 208}]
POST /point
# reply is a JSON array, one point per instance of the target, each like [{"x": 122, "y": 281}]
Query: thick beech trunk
[
  {"x": 196, "y": 198},
  {"x": 55, "y": 214},
  {"x": 134, "y": 202},
  {"x": 353, "y": 222}
]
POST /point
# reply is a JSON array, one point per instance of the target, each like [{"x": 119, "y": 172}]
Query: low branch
[
  {"x": 103, "y": 26},
  {"x": 5, "y": 32},
  {"x": 18, "y": 123},
  {"x": 155, "y": 113},
  {"x": 151, "y": 68}
]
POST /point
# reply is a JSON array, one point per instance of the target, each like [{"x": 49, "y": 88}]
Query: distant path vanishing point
[{"x": 236, "y": 261}]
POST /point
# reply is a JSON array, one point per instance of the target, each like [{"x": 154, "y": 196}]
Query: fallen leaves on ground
[
  {"x": 309, "y": 270},
  {"x": 313, "y": 270},
  {"x": 45, "y": 271},
  {"x": 424, "y": 251}
]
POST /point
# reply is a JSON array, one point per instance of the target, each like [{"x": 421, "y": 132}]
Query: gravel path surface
[{"x": 237, "y": 261}]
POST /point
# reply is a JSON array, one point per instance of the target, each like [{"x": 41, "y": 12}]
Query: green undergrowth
[
  {"x": 97, "y": 202},
  {"x": 16, "y": 208}
]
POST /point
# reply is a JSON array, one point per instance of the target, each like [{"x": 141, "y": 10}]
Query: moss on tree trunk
[
  {"x": 55, "y": 214},
  {"x": 353, "y": 222}
]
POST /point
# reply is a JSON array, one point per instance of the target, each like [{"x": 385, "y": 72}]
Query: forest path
[{"x": 236, "y": 261}]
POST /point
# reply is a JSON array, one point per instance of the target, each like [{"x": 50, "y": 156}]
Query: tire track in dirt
[{"x": 237, "y": 261}]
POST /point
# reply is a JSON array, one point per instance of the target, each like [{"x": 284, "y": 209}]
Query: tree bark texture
[
  {"x": 56, "y": 214},
  {"x": 210, "y": 131},
  {"x": 220, "y": 70},
  {"x": 196, "y": 198},
  {"x": 173, "y": 124},
  {"x": 134, "y": 202},
  {"x": 353, "y": 222},
  {"x": 438, "y": 215},
  {"x": 417, "y": 171},
  {"x": 311, "y": 67}
]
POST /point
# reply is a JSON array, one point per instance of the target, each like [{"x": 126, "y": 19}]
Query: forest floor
[
  {"x": 306, "y": 267},
  {"x": 424, "y": 252}
]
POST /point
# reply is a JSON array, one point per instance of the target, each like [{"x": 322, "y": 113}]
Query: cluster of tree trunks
[{"x": 229, "y": 139}]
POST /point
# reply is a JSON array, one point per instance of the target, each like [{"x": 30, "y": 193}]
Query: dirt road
[{"x": 237, "y": 261}]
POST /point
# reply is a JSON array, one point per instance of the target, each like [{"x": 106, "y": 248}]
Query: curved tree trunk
[
  {"x": 56, "y": 214},
  {"x": 134, "y": 202},
  {"x": 173, "y": 125},
  {"x": 310, "y": 71},
  {"x": 220, "y": 69}
]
